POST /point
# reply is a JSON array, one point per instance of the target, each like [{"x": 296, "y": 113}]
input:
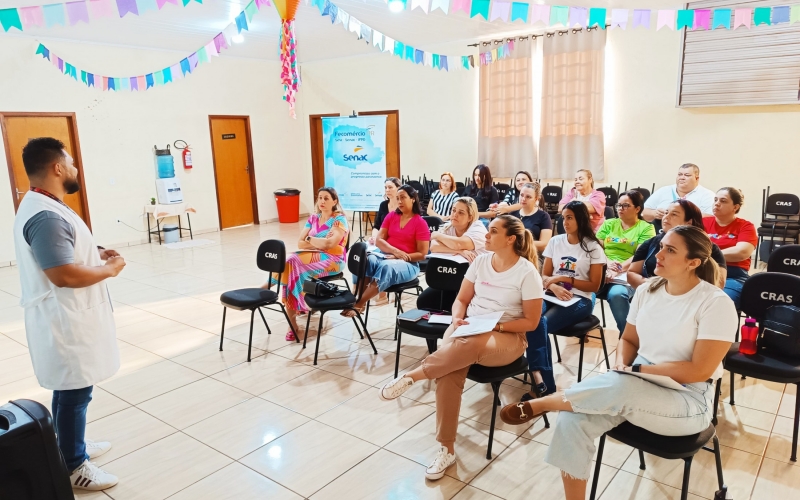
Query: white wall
[
  {"x": 647, "y": 137},
  {"x": 117, "y": 131}
]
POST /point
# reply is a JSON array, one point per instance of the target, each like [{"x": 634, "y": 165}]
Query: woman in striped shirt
[{"x": 441, "y": 202}]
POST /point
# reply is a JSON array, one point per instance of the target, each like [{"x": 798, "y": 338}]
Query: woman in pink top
[
  {"x": 585, "y": 192},
  {"x": 403, "y": 241}
]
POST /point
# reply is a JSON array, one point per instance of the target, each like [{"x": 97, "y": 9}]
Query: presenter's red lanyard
[{"x": 49, "y": 195}]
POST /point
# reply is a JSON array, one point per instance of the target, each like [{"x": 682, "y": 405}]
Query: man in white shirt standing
[
  {"x": 69, "y": 322},
  {"x": 687, "y": 186}
]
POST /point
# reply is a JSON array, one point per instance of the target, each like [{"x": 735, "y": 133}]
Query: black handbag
[
  {"x": 320, "y": 288},
  {"x": 780, "y": 331}
]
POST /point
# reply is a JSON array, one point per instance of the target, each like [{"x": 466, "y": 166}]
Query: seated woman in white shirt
[
  {"x": 504, "y": 281},
  {"x": 465, "y": 235},
  {"x": 680, "y": 326}
]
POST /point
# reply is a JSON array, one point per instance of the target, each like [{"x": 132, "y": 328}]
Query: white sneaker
[
  {"x": 393, "y": 389},
  {"x": 442, "y": 461},
  {"x": 91, "y": 477},
  {"x": 96, "y": 448}
]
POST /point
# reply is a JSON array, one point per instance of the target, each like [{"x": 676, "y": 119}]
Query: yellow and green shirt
[{"x": 620, "y": 244}]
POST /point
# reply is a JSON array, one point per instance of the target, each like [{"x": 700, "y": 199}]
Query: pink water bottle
[{"x": 749, "y": 337}]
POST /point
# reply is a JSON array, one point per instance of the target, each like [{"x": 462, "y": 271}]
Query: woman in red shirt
[
  {"x": 403, "y": 241},
  {"x": 736, "y": 238}
]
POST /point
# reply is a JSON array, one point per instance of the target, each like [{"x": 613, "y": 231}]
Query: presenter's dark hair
[
  {"x": 40, "y": 153},
  {"x": 414, "y": 195},
  {"x": 584, "y": 222},
  {"x": 691, "y": 213},
  {"x": 486, "y": 179},
  {"x": 637, "y": 200}
]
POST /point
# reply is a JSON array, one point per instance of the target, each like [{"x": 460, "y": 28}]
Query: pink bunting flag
[
  {"x": 101, "y": 8},
  {"x": 105, "y": 83},
  {"x": 77, "y": 12},
  {"x": 262, "y": 3},
  {"x": 742, "y": 17},
  {"x": 500, "y": 10},
  {"x": 702, "y": 19},
  {"x": 31, "y": 16},
  {"x": 540, "y": 13},
  {"x": 160, "y": 3},
  {"x": 211, "y": 49},
  {"x": 141, "y": 82},
  {"x": 666, "y": 18},
  {"x": 220, "y": 42},
  {"x": 56, "y": 61},
  {"x": 462, "y": 5}
]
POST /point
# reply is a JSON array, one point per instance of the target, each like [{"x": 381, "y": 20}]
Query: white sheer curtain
[
  {"x": 571, "y": 135},
  {"x": 505, "y": 138}
]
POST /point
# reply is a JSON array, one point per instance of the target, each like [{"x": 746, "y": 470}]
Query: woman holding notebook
[
  {"x": 505, "y": 281},
  {"x": 680, "y": 326}
]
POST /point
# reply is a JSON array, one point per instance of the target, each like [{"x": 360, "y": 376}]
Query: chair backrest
[
  {"x": 783, "y": 205},
  {"x": 419, "y": 187},
  {"x": 271, "y": 257},
  {"x": 357, "y": 265},
  {"x": 444, "y": 274},
  {"x": 611, "y": 195},
  {"x": 645, "y": 192},
  {"x": 763, "y": 290},
  {"x": 502, "y": 189},
  {"x": 785, "y": 259},
  {"x": 609, "y": 213},
  {"x": 552, "y": 194},
  {"x": 433, "y": 222}
]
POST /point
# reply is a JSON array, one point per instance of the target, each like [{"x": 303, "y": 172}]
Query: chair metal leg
[
  {"x": 603, "y": 312},
  {"x": 250, "y": 342},
  {"x": 558, "y": 351},
  {"x": 600, "y": 447},
  {"x": 358, "y": 328},
  {"x": 605, "y": 351},
  {"x": 796, "y": 423},
  {"x": 366, "y": 315},
  {"x": 687, "y": 469},
  {"x": 717, "y": 392},
  {"x": 641, "y": 460},
  {"x": 732, "y": 381},
  {"x": 308, "y": 322},
  {"x": 398, "y": 334},
  {"x": 580, "y": 358},
  {"x": 319, "y": 336},
  {"x": 364, "y": 325},
  {"x": 222, "y": 332},
  {"x": 718, "y": 460},
  {"x": 495, "y": 391},
  {"x": 269, "y": 332}
]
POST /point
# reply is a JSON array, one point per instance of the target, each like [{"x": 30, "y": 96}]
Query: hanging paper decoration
[
  {"x": 666, "y": 18},
  {"x": 761, "y": 15},
  {"x": 176, "y": 71},
  {"x": 597, "y": 17},
  {"x": 722, "y": 17},
  {"x": 540, "y": 13},
  {"x": 480, "y": 8},
  {"x": 641, "y": 17},
  {"x": 519, "y": 10},
  {"x": 72, "y": 13},
  {"x": 289, "y": 74},
  {"x": 685, "y": 19}
]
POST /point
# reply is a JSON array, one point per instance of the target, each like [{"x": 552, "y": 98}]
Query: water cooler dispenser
[{"x": 168, "y": 187}]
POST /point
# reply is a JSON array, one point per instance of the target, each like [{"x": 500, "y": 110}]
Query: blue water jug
[{"x": 165, "y": 163}]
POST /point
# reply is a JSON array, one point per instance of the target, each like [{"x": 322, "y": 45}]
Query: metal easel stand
[{"x": 363, "y": 225}]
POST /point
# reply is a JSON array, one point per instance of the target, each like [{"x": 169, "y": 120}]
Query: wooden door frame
[
  {"x": 252, "y": 169},
  {"x": 76, "y": 155},
  {"x": 317, "y": 174}
]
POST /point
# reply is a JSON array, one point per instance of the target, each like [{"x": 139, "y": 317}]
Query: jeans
[
  {"x": 554, "y": 318},
  {"x": 734, "y": 283},
  {"x": 619, "y": 299},
  {"x": 69, "y": 418},
  {"x": 389, "y": 272},
  {"x": 601, "y": 403}
]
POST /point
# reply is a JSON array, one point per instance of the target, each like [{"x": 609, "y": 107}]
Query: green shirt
[{"x": 620, "y": 244}]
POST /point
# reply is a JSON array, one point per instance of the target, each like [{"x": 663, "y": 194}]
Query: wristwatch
[
  {"x": 636, "y": 368},
  {"x": 308, "y": 238}
]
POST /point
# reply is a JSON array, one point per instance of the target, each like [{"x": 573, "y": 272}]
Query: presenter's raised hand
[
  {"x": 115, "y": 265},
  {"x": 106, "y": 253}
]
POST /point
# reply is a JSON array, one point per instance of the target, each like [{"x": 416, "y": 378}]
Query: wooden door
[
  {"x": 19, "y": 129},
  {"x": 233, "y": 170}
]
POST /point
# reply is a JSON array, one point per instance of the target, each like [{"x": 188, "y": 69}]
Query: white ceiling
[{"x": 185, "y": 29}]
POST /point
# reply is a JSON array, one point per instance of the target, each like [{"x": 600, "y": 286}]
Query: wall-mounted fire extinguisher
[{"x": 186, "y": 155}]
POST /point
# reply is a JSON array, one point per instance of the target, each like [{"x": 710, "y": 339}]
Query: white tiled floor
[{"x": 190, "y": 422}]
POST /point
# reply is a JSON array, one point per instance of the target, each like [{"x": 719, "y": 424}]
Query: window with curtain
[
  {"x": 571, "y": 133},
  {"x": 505, "y": 138}
]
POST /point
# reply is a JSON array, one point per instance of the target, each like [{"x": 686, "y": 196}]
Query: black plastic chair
[
  {"x": 760, "y": 292},
  {"x": 609, "y": 213},
  {"x": 785, "y": 259},
  {"x": 667, "y": 447},
  {"x": 495, "y": 375},
  {"x": 780, "y": 222},
  {"x": 502, "y": 189},
  {"x": 580, "y": 331},
  {"x": 434, "y": 223},
  {"x": 644, "y": 191},
  {"x": 460, "y": 188},
  {"x": 338, "y": 276},
  {"x": 551, "y": 196},
  {"x": 357, "y": 265},
  {"x": 611, "y": 200},
  {"x": 271, "y": 257},
  {"x": 444, "y": 280}
]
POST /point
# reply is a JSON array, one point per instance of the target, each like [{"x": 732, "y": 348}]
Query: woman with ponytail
[
  {"x": 506, "y": 281},
  {"x": 680, "y": 326}
]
